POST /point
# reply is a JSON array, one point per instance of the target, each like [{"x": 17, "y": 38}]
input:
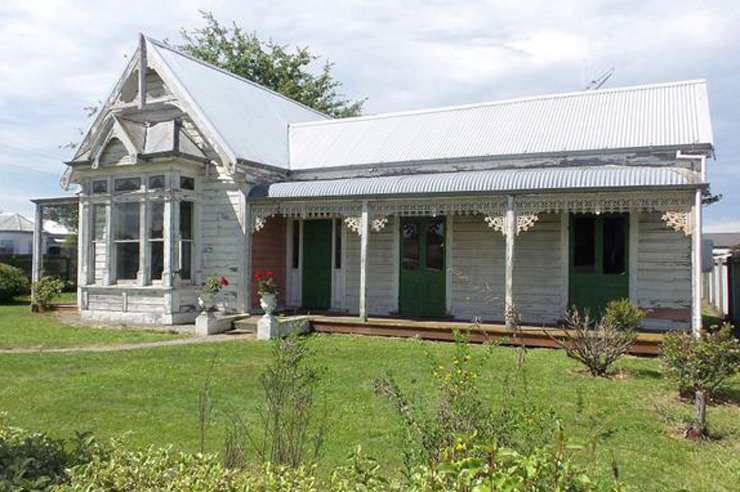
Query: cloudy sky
[{"x": 59, "y": 57}]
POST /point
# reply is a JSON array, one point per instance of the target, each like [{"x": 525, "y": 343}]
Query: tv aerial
[{"x": 600, "y": 80}]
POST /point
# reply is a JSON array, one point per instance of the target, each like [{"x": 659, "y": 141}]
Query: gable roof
[
  {"x": 672, "y": 115},
  {"x": 15, "y": 222},
  {"x": 250, "y": 120}
]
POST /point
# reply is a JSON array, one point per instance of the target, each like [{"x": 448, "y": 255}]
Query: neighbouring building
[
  {"x": 722, "y": 246},
  {"x": 462, "y": 212}
]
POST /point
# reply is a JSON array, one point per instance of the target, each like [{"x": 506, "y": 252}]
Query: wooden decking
[{"x": 647, "y": 343}]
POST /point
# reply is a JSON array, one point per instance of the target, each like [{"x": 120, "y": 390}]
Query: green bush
[
  {"x": 623, "y": 314},
  {"x": 45, "y": 290},
  {"x": 701, "y": 364},
  {"x": 462, "y": 468},
  {"x": 12, "y": 282},
  {"x": 35, "y": 461}
]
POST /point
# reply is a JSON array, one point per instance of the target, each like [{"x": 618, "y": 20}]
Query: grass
[
  {"x": 152, "y": 394},
  {"x": 20, "y": 328}
]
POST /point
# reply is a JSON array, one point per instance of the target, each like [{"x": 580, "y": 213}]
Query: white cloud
[{"x": 62, "y": 55}]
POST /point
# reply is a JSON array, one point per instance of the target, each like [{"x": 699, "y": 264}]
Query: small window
[
  {"x": 614, "y": 245},
  {"x": 99, "y": 219},
  {"x": 410, "y": 246},
  {"x": 156, "y": 240},
  {"x": 186, "y": 239},
  {"x": 100, "y": 186},
  {"x": 156, "y": 182},
  {"x": 436, "y": 245},
  {"x": 296, "y": 252},
  {"x": 338, "y": 244},
  {"x": 127, "y": 240},
  {"x": 187, "y": 183},
  {"x": 584, "y": 248},
  {"x": 128, "y": 184}
]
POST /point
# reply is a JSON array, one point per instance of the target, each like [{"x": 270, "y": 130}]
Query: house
[
  {"x": 721, "y": 245},
  {"x": 16, "y": 236},
  {"x": 533, "y": 204}
]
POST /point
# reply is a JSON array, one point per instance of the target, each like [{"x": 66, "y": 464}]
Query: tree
[{"x": 271, "y": 65}]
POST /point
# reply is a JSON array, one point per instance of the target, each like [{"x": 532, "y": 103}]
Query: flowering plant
[
  {"x": 215, "y": 283},
  {"x": 265, "y": 282}
]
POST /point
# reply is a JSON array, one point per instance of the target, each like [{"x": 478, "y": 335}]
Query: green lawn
[
  {"x": 153, "y": 394},
  {"x": 20, "y": 328}
]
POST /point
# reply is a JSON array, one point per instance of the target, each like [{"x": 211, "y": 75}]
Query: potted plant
[
  {"x": 211, "y": 288},
  {"x": 267, "y": 290}
]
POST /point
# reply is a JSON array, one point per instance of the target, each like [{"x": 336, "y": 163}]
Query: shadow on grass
[{"x": 643, "y": 373}]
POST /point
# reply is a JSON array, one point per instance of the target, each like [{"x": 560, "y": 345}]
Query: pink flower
[{"x": 223, "y": 281}]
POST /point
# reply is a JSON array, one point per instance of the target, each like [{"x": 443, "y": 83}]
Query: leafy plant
[
  {"x": 266, "y": 283},
  {"x": 215, "y": 283},
  {"x": 290, "y": 434},
  {"x": 622, "y": 314},
  {"x": 431, "y": 428},
  {"x": 701, "y": 364},
  {"x": 45, "y": 290},
  {"x": 12, "y": 282},
  {"x": 595, "y": 346},
  {"x": 35, "y": 461}
]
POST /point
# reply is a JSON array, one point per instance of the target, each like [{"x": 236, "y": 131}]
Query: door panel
[
  {"x": 598, "y": 260},
  {"x": 317, "y": 267},
  {"x": 422, "y": 275}
]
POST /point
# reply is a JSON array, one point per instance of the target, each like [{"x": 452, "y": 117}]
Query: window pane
[
  {"x": 157, "y": 260},
  {"x": 127, "y": 261},
  {"x": 338, "y": 244},
  {"x": 156, "y": 182},
  {"x": 156, "y": 226},
  {"x": 127, "y": 221},
  {"x": 98, "y": 222},
  {"x": 100, "y": 186},
  {"x": 296, "y": 253},
  {"x": 583, "y": 244},
  {"x": 128, "y": 184},
  {"x": 436, "y": 245},
  {"x": 186, "y": 220},
  {"x": 185, "y": 259},
  {"x": 187, "y": 183},
  {"x": 614, "y": 247},
  {"x": 409, "y": 246}
]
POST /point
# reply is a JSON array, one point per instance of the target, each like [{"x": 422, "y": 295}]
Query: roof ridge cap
[{"x": 500, "y": 102}]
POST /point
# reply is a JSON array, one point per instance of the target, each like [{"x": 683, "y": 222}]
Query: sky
[{"x": 61, "y": 56}]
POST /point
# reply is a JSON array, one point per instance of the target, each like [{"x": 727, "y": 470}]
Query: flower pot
[
  {"x": 268, "y": 303},
  {"x": 206, "y": 301}
]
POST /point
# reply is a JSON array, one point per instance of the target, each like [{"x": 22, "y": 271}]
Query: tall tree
[{"x": 269, "y": 64}]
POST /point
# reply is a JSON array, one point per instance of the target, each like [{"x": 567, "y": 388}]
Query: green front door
[
  {"x": 316, "y": 288},
  {"x": 598, "y": 260},
  {"x": 422, "y": 276}
]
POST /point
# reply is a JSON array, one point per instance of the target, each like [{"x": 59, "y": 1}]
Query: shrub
[
  {"x": 623, "y": 314},
  {"x": 45, "y": 290},
  {"x": 430, "y": 428},
  {"x": 462, "y": 468},
  {"x": 12, "y": 282},
  {"x": 597, "y": 347},
  {"x": 35, "y": 461},
  {"x": 701, "y": 364},
  {"x": 291, "y": 432}
]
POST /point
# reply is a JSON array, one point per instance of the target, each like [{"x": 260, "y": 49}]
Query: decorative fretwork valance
[{"x": 675, "y": 205}]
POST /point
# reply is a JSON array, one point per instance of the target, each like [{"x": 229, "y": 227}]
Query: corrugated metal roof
[
  {"x": 661, "y": 115},
  {"x": 494, "y": 181},
  {"x": 251, "y": 119},
  {"x": 15, "y": 222}
]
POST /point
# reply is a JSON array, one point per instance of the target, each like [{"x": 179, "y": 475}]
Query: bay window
[{"x": 127, "y": 217}]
